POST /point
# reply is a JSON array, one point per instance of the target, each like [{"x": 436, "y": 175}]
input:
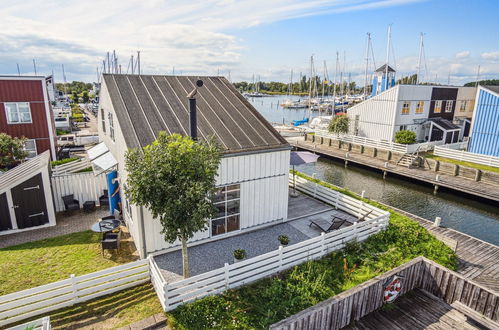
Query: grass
[
  {"x": 62, "y": 161},
  {"x": 466, "y": 164},
  {"x": 269, "y": 300},
  {"x": 36, "y": 263},
  {"x": 108, "y": 312}
]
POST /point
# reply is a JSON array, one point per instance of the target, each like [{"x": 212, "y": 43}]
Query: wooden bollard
[
  {"x": 375, "y": 152},
  {"x": 456, "y": 170},
  {"x": 437, "y": 222},
  {"x": 478, "y": 175},
  {"x": 346, "y": 159}
]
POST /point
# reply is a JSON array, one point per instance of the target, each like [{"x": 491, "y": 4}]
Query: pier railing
[{"x": 454, "y": 151}]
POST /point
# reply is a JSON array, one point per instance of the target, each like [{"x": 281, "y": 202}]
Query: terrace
[{"x": 301, "y": 210}]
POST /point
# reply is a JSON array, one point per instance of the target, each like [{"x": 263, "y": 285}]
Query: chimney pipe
[{"x": 193, "y": 132}]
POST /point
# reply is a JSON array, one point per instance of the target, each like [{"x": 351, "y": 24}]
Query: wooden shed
[{"x": 26, "y": 196}]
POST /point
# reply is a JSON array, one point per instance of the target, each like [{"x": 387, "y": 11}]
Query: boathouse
[
  {"x": 429, "y": 111},
  {"x": 484, "y": 137},
  {"x": 253, "y": 174}
]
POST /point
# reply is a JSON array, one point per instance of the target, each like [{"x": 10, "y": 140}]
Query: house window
[
  {"x": 438, "y": 107},
  {"x": 419, "y": 107},
  {"x": 18, "y": 113},
  {"x": 462, "y": 108},
  {"x": 406, "y": 108},
  {"x": 227, "y": 201},
  {"x": 403, "y": 127},
  {"x": 448, "y": 105},
  {"x": 111, "y": 126},
  {"x": 103, "y": 120},
  {"x": 30, "y": 147}
]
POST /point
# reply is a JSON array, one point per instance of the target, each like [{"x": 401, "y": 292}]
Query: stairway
[{"x": 409, "y": 160}]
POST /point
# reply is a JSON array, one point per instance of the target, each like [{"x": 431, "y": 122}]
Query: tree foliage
[
  {"x": 173, "y": 178},
  {"x": 74, "y": 86},
  {"x": 11, "y": 150},
  {"x": 405, "y": 137},
  {"x": 340, "y": 124},
  {"x": 490, "y": 82}
]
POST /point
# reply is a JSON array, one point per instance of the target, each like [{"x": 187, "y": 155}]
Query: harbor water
[{"x": 476, "y": 218}]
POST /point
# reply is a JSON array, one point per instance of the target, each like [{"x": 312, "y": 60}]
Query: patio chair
[
  {"x": 116, "y": 216},
  {"x": 104, "y": 199},
  {"x": 70, "y": 204},
  {"x": 111, "y": 241},
  {"x": 327, "y": 226}
]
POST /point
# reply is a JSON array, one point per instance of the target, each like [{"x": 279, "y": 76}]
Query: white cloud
[
  {"x": 463, "y": 54},
  {"x": 491, "y": 56},
  {"x": 192, "y": 35}
]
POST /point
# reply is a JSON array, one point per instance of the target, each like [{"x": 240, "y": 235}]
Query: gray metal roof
[
  {"x": 495, "y": 89},
  {"x": 383, "y": 69},
  {"x": 148, "y": 104}
]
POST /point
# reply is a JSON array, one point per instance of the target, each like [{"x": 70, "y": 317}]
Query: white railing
[
  {"x": 456, "y": 146},
  {"x": 71, "y": 167},
  {"x": 43, "y": 299},
  {"x": 240, "y": 273},
  {"x": 466, "y": 156},
  {"x": 379, "y": 144},
  {"x": 84, "y": 187},
  {"x": 39, "y": 324}
]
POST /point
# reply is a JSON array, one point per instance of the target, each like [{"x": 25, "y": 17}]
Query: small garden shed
[{"x": 26, "y": 196}]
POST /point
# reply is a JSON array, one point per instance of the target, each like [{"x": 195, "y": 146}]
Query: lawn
[
  {"x": 32, "y": 264},
  {"x": 269, "y": 300},
  {"x": 113, "y": 311},
  {"x": 466, "y": 164}
]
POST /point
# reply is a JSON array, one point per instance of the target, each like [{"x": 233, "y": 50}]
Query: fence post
[
  {"x": 323, "y": 248},
  {"x": 165, "y": 295},
  {"x": 226, "y": 270},
  {"x": 73, "y": 287},
  {"x": 336, "y": 200},
  {"x": 355, "y": 230},
  {"x": 280, "y": 257}
]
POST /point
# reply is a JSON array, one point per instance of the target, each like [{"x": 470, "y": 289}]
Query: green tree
[
  {"x": 173, "y": 177},
  {"x": 340, "y": 124},
  {"x": 11, "y": 150},
  {"x": 85, "y": 97},
  {"x": 405, "y": 137}
]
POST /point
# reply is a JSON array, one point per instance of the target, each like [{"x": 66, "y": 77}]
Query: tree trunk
[{"x": 185, "y": 258}]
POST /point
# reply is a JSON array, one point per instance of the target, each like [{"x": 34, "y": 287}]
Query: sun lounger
[{"x": 327, "y": 226}]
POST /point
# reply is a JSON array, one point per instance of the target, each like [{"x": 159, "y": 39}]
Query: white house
[
  {"x": 429, "y": 111},
  {"x": 253, "y": 174}
]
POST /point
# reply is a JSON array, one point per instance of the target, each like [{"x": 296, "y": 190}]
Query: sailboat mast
[
  {"x": 367, "y": 63},
  {"x": 388, "y": 54},
  {"x": 323, "y": 78},
  {"x": 291, "y": 83},
  {"x": 419, "y": 60},
  {"x": 310, "y": 86},
  {"x": 334, "y": 85}
]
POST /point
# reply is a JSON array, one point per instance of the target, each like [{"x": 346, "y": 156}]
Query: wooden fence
[
  {"x": 244, "y": 272},
  {"x": 465, "y": 156},
  {"x": 351, "y": 305},
  {"x": 43, "y": 299},
  {"x": 85, "y": 187}
]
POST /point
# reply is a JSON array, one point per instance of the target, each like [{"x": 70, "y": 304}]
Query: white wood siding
[
  {"x": 413, "y": 94},
  {"x": 376, "y": 115}
]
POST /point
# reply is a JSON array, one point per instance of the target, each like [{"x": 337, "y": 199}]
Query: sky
[{"x": 265, "y": 39}]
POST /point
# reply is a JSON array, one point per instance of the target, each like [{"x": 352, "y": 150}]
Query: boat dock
[{"x": 459, "y": 184}]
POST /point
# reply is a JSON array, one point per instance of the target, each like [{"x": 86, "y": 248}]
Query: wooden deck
[
  {"x": 478, "y": 260},
  {"x": 418, "y": 310},
  {"x": 479, "y": 189}
]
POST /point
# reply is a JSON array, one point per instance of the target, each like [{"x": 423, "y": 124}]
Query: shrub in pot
[
  {"x": 283, "y": 239},
  {"x": 239, "y": 254}
]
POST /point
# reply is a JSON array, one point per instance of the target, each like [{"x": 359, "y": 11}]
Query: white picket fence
[
  {"x": 379, "y": 144},
  {"x": 85, "y": 187},
  {"x": 38, "y": 324},
  {"x": 240, "y": 273},
  {"x": 43, "y": 299},
  {"x": 71, "y": 167},
  {"x": 465, "y": 156}
]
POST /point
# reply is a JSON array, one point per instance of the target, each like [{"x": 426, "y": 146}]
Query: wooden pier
[{"x": 478, "y": 189}]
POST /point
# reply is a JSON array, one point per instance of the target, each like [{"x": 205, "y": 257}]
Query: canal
[{"x": 476, "y": 218}]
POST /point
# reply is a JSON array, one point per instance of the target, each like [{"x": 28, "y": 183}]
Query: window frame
[
  {"x": 111, "y": 125},
  {"x": 103, "y": 120},
  {"x": 30, "y": 151},
  {"x": 463, "y": 106},
  {"x": 439, "y": 107},
  {"x": 419, "y": 108},
  {"x": 227, "y": 215},
  {"x": 19, "y": 122},
  {"x": 448, "y": 106},
  {"x": 406, "y": 110}
]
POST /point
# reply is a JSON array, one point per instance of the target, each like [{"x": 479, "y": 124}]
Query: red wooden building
[{"x": 25, "y": 111}]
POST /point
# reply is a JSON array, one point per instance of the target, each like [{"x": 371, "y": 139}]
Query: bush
[
  {"x": 61, "y": 132},
  {"x": 340, "y": 124},
  {"x": 283, "y": 239},
  {"x": 272, "y": 299},
  {"x": 405, "y": 137},
  {"x": 239, "y": 254},
  {"x": 11, "y": 151}
]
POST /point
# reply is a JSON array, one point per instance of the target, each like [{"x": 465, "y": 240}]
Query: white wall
[
  {"x": 264, "y": 194},
  {"x": 376, "y": 116},
  {"x": 413, "y": 94},
  {"x": 465, "y": 94}
]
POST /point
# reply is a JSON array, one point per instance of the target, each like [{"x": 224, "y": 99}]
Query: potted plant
[
  {"x": 283, "y": 239},
  {"x": 239, "y": 255}
]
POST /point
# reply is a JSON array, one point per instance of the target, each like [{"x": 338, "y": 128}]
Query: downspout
[{"x": 142, "y": 234}]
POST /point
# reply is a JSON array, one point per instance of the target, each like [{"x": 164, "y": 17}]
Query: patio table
[{"x": 105, "y": 225}]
